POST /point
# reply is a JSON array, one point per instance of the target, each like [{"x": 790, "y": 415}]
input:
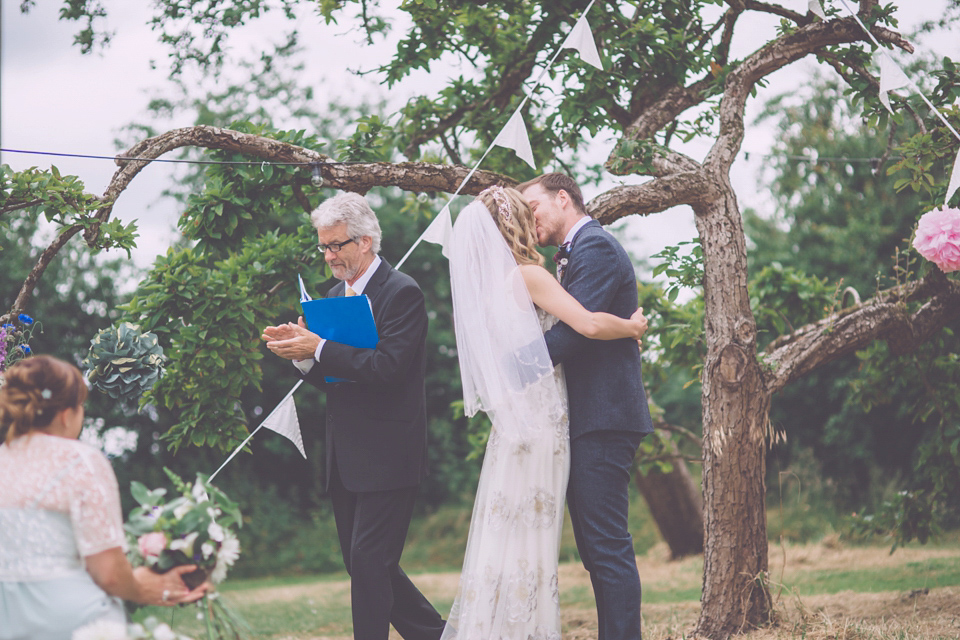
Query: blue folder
[{"x": 345, "y": 320}]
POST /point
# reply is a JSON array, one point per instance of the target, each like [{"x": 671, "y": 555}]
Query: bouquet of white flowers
[{"x": 196, "y": 527}]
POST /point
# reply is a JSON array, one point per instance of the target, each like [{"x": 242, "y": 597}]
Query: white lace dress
[
  {"x": 508, "y": 586},
  {"x": 59, "y": 503}
]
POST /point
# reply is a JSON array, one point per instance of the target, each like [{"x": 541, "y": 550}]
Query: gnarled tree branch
[
  {"x": 359, "y": 177},
  {"x": 48, "y": 254},
  {"x": 883, "y": 317},
  {"x": 770, "y": 58},
  {"x": 649, "y": 197}
]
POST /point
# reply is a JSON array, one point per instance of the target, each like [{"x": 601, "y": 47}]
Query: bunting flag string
[
  {"x": 890, "y": 80},
  {"x": 516, "y": 124},
  {"x": 283, "y": 419},
  {"x": 279, "y": 408}
]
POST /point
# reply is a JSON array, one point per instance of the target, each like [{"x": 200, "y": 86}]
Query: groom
[
  {"x": 376, "y": 437},
  {"x": 608, "y": 408}
]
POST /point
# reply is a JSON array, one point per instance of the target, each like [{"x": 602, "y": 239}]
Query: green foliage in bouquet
[
  {"x": 124, "y": 362},
  {"x": 197, "y": 527}
]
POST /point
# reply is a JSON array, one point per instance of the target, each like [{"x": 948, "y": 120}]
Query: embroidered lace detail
[
  {"x": 509, "y": 587},
  {"x": 60, "y": 503}
]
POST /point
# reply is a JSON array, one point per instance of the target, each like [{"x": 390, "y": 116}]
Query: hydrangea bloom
[{"x": 938, "y": 238}]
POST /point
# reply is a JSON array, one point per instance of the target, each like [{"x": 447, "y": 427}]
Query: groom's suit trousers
[{"x": 608, "y": 418}]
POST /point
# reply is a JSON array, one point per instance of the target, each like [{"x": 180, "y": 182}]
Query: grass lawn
[{"x": 821, "y": 591}]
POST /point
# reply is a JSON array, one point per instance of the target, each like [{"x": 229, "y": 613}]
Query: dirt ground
[{"x": 925, "y": 614}]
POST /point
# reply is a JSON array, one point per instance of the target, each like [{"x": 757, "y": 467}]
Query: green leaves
[
  {"x": 684, "y": 269},
  {"x": 784, "y": 298},
  {"x": 371, "y": 142},
  {"x": 208, "y": 314}
]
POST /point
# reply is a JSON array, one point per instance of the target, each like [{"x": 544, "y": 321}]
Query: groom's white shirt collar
[
  {"x": 573, "y": 231},
  {"x": 358, "y": 287}
]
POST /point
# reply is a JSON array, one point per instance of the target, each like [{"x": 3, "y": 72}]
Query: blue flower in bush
[
  {"x": 9, "y": 326},
  {"x": 25, "y": 348},
  {"x": 25, "y": 319}
]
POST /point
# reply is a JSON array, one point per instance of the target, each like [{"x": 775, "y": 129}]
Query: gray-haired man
[{"x": 376, "y": 435}]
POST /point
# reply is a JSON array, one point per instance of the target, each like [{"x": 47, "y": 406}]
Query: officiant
[{"x": 376, "y": 427}]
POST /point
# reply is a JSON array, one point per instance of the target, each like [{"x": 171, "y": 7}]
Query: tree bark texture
[
  {"x": 676, "y": 505},
  {"x": 735, "y": 407}
]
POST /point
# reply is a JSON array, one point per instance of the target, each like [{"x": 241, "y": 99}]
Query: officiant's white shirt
[{"x": 358, "y": 287}]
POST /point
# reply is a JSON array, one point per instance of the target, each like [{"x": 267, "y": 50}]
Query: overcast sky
[{"x": 54, "y": 99}]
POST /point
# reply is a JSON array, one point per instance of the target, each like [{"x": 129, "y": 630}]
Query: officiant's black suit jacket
[
  {"x": 377, "y": 424},
  {"x": 603, "y": 376}
]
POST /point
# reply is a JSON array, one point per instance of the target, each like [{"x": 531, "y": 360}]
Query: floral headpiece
[{"x": 500, "y": 197}]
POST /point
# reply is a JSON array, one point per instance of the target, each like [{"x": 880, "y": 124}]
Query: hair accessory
[
  {"x": 500, "y": 197},
  {"x": 46, "y": 394}
]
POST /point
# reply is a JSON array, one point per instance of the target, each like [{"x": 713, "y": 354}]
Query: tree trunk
[
  {"x": 735, "y": 418},
  {"x": 676, "y": 506}
]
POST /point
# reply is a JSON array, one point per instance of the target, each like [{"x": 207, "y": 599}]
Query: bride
[{"x": 503, "y": 300}]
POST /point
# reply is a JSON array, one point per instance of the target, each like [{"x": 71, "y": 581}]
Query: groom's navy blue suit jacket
[
  {"x": 603, "y": 376},
  {"x": 377, "y": 424}
]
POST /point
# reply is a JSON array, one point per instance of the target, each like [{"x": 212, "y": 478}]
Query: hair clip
[
  {"x": 499, "y": 197},
  {"x": 46, "y": 394}
]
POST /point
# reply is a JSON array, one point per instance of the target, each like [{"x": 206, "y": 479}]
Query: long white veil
[
  {"x": 509, "y": 581},
  {"x": 499, "y": 339}
]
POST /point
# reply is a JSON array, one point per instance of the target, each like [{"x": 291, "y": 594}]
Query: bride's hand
[{"x": 641, "y": 324}]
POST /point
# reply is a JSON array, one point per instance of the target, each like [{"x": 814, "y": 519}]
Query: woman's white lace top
[{"x": 59, "y": 503}]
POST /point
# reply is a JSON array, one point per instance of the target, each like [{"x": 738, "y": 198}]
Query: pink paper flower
[
  {"x": 151, "y": 544},
  {"x": 938, "y": 238}
]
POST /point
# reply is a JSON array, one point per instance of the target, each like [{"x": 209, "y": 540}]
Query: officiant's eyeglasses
[{"x": 334, "y": 247}]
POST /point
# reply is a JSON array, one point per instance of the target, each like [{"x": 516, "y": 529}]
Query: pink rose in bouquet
[
  {"x": 938, "y": 238},
  {"x": 152, "y": 544}
]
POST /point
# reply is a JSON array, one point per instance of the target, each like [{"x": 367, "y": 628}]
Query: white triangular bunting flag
[
  {"x": 304, "y": 296},
  {"x": 514, "y": 136},
  {"x": 816, "y": 9},
  {"x": 954, "y": 180},
  {"x": 581, "y": 39},
  {"x": 284, "y": 421},
  {"x": 440, "y": 230},
  {"x": 891, "y": 78}
]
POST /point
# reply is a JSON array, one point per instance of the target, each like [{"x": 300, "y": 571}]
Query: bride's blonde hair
[{"x": 515, "y": 221}]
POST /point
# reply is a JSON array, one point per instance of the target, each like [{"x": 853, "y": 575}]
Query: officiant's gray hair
[{"x": 353, "y": 210}]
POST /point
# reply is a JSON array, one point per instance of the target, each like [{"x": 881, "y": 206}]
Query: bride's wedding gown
[{"x": 508, "y": 586}]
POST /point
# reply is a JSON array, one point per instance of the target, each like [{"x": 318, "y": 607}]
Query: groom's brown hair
[{"x": 554, "y": 182}]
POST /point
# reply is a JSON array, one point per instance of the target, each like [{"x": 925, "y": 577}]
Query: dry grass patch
[{"x": 931, "y": 614}]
